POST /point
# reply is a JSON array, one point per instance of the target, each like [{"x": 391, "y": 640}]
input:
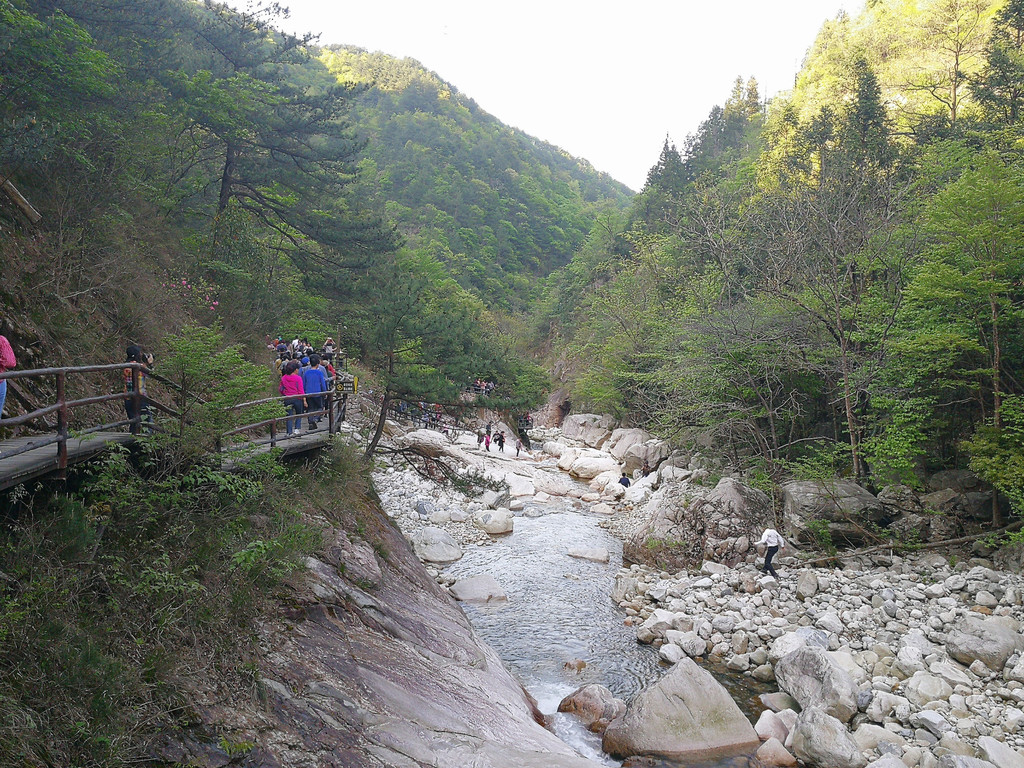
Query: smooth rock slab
[{"x": 686, "y": 715}]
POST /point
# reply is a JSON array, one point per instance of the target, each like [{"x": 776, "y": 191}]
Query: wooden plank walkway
[
  {"x": 232, "y": 456},
  {"x": 39, "y": 462}
]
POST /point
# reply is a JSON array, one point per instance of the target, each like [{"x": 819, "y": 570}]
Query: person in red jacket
[
  {"x": 295, "y": 402},
  {"x": 7, "y": 362}
]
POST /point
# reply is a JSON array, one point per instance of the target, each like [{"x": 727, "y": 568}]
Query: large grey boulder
[
  {"x": 924, "y": 688},
  {"x": 587, "y": 467},
  {"x": 685, "y": 525},
  {"x": 812, "y": 677},
  {"x": 843, "y": 505},
  {"x": 963, "y": 761},
  {"x": 687, "y": 715},
  {"x": 806, "y": 586},
  {"x": 624, "y": 439},
  {"x": 435, "y": 545},
  {"x": 987, "y": 640},
  {"x": 821, "y": 740},
  {"x": 795, "y": 640},
  {"x": 595, "y": 705},
  {"x": 589, "y": 428},
  {"x": 426, "y": 442},
  {"x": 999, "y": 754},
  {"x": 652, "y": 451}
]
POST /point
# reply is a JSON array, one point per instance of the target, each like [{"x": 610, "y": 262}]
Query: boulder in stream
[
  {"x": 595, "y": 705},
  {"x": 494, "y": 522},
  {"x": 687, "y": 715},
  {"x": 478, "y": 589}
]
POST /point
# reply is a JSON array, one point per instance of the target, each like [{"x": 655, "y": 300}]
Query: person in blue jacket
[{"x": 314, "y": 381}]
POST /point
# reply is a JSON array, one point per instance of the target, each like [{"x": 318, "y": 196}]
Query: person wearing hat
[{"x": 7, "y": 362}]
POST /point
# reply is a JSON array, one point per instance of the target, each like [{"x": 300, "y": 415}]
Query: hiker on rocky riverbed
[{"x": 774, "y": 542}]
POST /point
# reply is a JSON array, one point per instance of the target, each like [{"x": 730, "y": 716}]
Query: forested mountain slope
[
  {"x": 497, "y": 206},
  {"x": 833, "y": 283}
]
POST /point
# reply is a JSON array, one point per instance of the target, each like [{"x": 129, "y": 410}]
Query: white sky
[{"x": 604, "y": 81}]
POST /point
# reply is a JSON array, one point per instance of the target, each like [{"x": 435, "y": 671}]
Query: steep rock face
[
  {"x": 696, "y": 524},
  {"x": 369, "y": 663}
]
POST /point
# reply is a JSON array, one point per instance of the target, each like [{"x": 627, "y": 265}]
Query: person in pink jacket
[
  {"x": 291, "y": 387},
  {"x": 7, "y": 362}
]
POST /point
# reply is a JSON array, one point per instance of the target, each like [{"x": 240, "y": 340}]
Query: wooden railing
[
  {"x": 262, "y": 432},
  {"x": 272, "y": 436},
  {"x": 63, "y": 407}
]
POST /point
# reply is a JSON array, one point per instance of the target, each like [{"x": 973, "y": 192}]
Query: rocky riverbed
[{"x": 886, "y": 660}]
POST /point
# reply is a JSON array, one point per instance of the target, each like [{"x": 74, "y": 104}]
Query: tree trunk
[
  {"x": 997, "y": 396},
  {"x": 851, "y": 417},
  {"x": 227, "y": 178},
  {"x": 385, "y": 399}
]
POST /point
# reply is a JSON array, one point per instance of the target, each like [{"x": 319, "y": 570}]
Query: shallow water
[{"x": 559, "y": 610}]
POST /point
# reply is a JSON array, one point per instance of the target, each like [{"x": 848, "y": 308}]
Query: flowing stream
[{"x": 559, "y": 610}]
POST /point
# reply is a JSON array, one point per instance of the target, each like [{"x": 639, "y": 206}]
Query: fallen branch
[
  {"x": 19, "y": 200},
  {"x": 903, "y": 547}
]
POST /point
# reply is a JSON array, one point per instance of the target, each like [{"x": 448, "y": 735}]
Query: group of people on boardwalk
[
  {"x": 306, "y": 376},
  {"x": 298, "y": 348},
  {"x": 304, "y": 384}
]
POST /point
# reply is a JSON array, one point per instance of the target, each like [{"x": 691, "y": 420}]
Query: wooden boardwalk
[{"x": 38, "y": 462}]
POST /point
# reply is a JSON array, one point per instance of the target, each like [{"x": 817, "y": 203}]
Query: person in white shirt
[{"x": 774, "y": 542}]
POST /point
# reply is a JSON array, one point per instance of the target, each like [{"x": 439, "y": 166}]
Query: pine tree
[{"x": 999, "y": 87}]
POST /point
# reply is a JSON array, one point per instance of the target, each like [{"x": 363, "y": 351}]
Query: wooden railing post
[
  {"x": 62, "y": 428},
  {"x": 136, "y": 427},
  {"x": 330, "y": 412}
]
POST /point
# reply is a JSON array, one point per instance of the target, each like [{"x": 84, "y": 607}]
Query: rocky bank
[{"x": 914, "y": 659}]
